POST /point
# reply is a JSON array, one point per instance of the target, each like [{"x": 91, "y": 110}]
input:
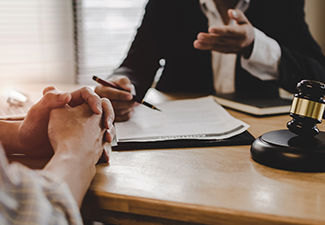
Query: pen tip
[{"x": 94, "y": 78}]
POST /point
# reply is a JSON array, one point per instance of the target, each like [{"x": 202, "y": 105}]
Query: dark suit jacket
[{"x": 169, "y": 28}]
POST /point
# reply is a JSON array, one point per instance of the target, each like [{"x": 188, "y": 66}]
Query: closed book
[{"x": 255, "y": 105}]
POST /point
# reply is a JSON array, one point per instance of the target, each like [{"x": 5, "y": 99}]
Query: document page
[{"x": 200, "y": 118}]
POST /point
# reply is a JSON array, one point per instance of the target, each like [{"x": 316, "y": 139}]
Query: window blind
[
  {"x": 36, "y": 41},
  {"x": 104, "y": 30}
]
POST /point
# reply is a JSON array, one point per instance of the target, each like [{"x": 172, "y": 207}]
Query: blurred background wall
[
  {"x": 37, "y": 36},
  {"x": 315, "y": 18},
  {"x": 36, "y": 41}
]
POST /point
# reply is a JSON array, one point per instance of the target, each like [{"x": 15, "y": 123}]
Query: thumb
[
  {"x": 51, "y": 99},
  {"x": 238, "y": 16},
  {"x": 123, "y": 82},
  {"x": 49, "y": 88},
  {"x": 62, "y": 96}
]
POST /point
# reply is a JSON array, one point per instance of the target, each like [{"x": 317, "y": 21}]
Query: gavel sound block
[{"x": 302, "y": 146}]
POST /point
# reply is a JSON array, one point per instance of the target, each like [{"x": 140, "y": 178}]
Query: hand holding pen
[{"x": 118, "y": 91}]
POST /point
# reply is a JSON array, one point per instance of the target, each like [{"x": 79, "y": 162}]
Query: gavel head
[{"x": 307, "y": 108}]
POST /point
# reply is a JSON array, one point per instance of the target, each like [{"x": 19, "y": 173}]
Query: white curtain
[
  {"x": 104, "y": 30},
  {"x": 36, "y": 41}
]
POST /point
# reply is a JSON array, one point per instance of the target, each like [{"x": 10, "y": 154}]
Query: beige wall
[
  {"x": 36, "y": 41},
  {"x": 315, "y": 18}
]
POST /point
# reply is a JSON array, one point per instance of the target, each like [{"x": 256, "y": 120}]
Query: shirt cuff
[{"x": 264, "y": 60}]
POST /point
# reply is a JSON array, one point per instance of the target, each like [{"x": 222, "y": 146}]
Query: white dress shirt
[{"x": 263, "y": 62}]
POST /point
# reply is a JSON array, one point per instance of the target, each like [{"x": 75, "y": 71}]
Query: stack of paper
[{"x": 199, "y": 119}]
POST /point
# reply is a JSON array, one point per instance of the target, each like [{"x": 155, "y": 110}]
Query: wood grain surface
[{"x": 212, "y": 185}]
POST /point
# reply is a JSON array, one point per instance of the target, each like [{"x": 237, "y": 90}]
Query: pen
[{"x": 135, "y": 98}]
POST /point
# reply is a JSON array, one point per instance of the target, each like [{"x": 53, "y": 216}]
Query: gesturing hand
[{"x": 238, "y": 38}]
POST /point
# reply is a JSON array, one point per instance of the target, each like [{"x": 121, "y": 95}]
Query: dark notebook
[
  {"x": 244, "y": 138},
  {"x": 254, "y": 104}
]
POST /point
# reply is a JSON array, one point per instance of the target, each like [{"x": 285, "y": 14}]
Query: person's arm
[
  {"x": 77, "y": 137},
  {"x": 137, "y": 71},
  {"x": 30, "y": 136},
  {"x": 301, "y": 56},
  {"x": 54, "y": 194},
  {"x": 264, "y": 60},
  {"x": 286, "y": 52},
  {"x": 142, "y": 60},
  {"x": 34, "y": 196},
  {"x": 9, "y": 135}
]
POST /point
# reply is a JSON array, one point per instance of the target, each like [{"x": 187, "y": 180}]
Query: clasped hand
[
  {"x": 76, "y": 108},
  {"x": 238, "y": 38}
]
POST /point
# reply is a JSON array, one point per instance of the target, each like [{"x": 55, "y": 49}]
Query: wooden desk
[{"x": 212, "y": 185}]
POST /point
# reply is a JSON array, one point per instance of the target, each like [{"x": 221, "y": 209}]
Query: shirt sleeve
[
  {"x": 264, "y": 60},
  {"x": 34, "y": 197}
]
